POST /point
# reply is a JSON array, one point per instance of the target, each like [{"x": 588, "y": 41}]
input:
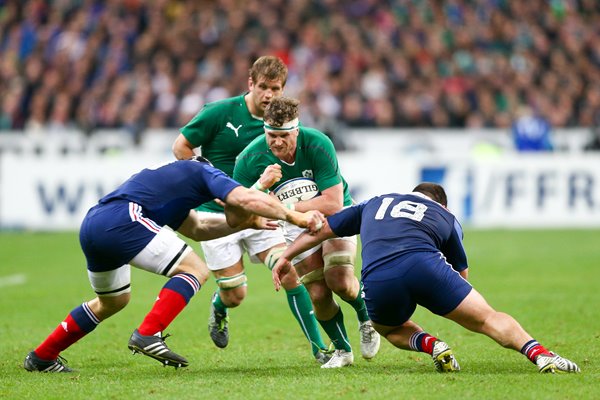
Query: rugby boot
[
  {"x": 339, "y": 359},
  {"x": 369, "y": 340},
  {"x": 553, "y": 363},
  {"x": 34, "y": 363},
  {"x": 443, "y": 358},
  {"x": 154, "y": 346}
]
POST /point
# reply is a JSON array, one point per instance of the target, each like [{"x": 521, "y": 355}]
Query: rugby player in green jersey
[
  {"x": 221, "y": 130},
  {"x": 310, "y": 179}
]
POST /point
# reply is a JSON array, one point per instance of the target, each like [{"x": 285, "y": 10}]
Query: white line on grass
[{"x": 12, "y": 280}]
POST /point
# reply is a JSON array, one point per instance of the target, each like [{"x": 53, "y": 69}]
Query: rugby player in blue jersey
[
  {"x": 412, "y": 254},
  {"x": 134, "y": 225}
]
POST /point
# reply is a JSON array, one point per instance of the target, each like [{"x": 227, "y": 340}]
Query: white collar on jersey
[{"x": 419, "y": 194}]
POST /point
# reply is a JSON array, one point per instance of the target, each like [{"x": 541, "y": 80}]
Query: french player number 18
[{"x": 404, "y": 209}]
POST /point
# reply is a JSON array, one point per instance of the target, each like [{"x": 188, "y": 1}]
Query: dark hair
[
  {"x": 434, "y": 191},
  {"x": 281, "y": 110},
  {"x": 269, "y": 67}
]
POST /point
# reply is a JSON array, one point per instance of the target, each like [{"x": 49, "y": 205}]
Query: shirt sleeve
[
  {"x": 218, "y": 183},
  {"x": 327, "y": 170},
  {"x": 454, "y": 250},
  {"x": 244, "y": 173},
  {"x": 347, "y": 221},
  {"x": 203, "y": 127}
]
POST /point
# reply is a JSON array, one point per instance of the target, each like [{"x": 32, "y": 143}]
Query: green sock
[
  {"x": 337, "y": 331},
  {"x": 301, "y": 307},
  {"x": 359, "y": 305},
  {"x": 218, "y": 303}
]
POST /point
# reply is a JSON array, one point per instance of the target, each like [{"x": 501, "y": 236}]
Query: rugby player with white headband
[{"x": 299, "y": 164}]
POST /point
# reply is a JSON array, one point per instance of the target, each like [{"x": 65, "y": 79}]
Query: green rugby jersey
[
  {"x": 315, "y": 159},
  {"x": 222, "y": 129}
]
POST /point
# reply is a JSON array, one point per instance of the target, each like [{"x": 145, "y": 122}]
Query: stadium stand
[{"x": 138, "y": 65}]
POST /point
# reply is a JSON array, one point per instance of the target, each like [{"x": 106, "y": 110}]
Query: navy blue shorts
[
  {"x": 392, "y": 292},
  {"x": 112, "y": 234}
]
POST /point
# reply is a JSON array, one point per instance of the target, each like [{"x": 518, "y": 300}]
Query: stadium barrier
[{"x": 49, "y": 182}]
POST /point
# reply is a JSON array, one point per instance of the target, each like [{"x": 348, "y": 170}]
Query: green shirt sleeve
[
  {"x": 202, "y": 129},
  {"x": 325, "y": 163},
  {"x": 243, "y": 172}
]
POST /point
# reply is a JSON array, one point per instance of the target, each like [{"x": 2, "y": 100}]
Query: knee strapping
[
  {"x": 313, "y": 276},
  {"x": 338, "y": 259},
  {"x": 272, "y": 256},
  {"x": 232, "y": 282}
]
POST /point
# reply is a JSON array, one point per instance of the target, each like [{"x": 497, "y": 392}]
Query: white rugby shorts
[
  {"x": 161, "y": 256},
  {"x": 291, "y": 232},
  {"x": 224, "y": 252}
]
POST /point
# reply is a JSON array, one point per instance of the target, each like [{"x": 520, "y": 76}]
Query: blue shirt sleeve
[
  {"x": 218, "y": 183},
  {"x": 454, "y": 250},
  {"x": 347, "y": 221}
]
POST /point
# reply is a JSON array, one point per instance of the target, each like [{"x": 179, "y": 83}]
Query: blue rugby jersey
[
  {"x": 394, "y": 225},
  {"x": 168, "y": 193}
]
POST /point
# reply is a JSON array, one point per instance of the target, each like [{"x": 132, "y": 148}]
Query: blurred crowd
[{"x": 137, "y": 64}]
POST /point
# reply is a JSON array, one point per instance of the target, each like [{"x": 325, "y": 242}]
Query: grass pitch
[{"x": 548, "y": 280}]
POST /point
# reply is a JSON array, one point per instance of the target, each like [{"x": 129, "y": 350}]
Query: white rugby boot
[
  {"x": 339, "y": 359},
  {"x": 369, "y": 340},
  {"x": 443, "y": 358},
  {"x": 553, "y": 363}
]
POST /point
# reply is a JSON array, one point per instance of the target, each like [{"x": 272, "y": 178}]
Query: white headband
[{"x": 288, "y": 126}]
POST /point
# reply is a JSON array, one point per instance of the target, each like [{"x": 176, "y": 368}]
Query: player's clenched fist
[{"x": 270, "y": 176}]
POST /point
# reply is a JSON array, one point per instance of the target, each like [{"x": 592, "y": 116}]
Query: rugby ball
[{"x": 297, "y": 189}]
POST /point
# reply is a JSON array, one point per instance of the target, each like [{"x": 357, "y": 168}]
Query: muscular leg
[
  {"x": 328, "y": 312},
  {"x": 475, "y": 314},
  {"x": 230, "y": 293},
  {"x": 320, "y": 294},
  {"x": 298, "y": 301},
  {"x": 338, "y": 258},
  {"x": 185, "y": 280},
  {"x": 399, "y": 336},
  {"x": 81, "y": 321},
  {"x": 232, "y": 285},
  {"x": 104, "y": 307}
]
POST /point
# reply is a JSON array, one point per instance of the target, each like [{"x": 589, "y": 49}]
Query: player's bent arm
[
  {"x": 205, "y": 228},
  {"x": 302, "y": 243},
  {"x": 182, "y": 148},
  {"x": 237, "y": 217},
  {"x": 212, "y": 227},
  {"x": 270, "y": 176},
  {"x": 465, "y": 274},
  {"x": 329, "y": 202},
  {"x": 268, "y": 206},
  {"x": 308, "y": 240}
]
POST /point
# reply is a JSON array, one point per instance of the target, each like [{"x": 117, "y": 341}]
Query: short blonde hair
[{"x": 269, "y": 67}]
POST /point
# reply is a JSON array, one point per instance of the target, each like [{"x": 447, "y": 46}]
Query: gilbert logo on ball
[{"x": 297, "y": 189}]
